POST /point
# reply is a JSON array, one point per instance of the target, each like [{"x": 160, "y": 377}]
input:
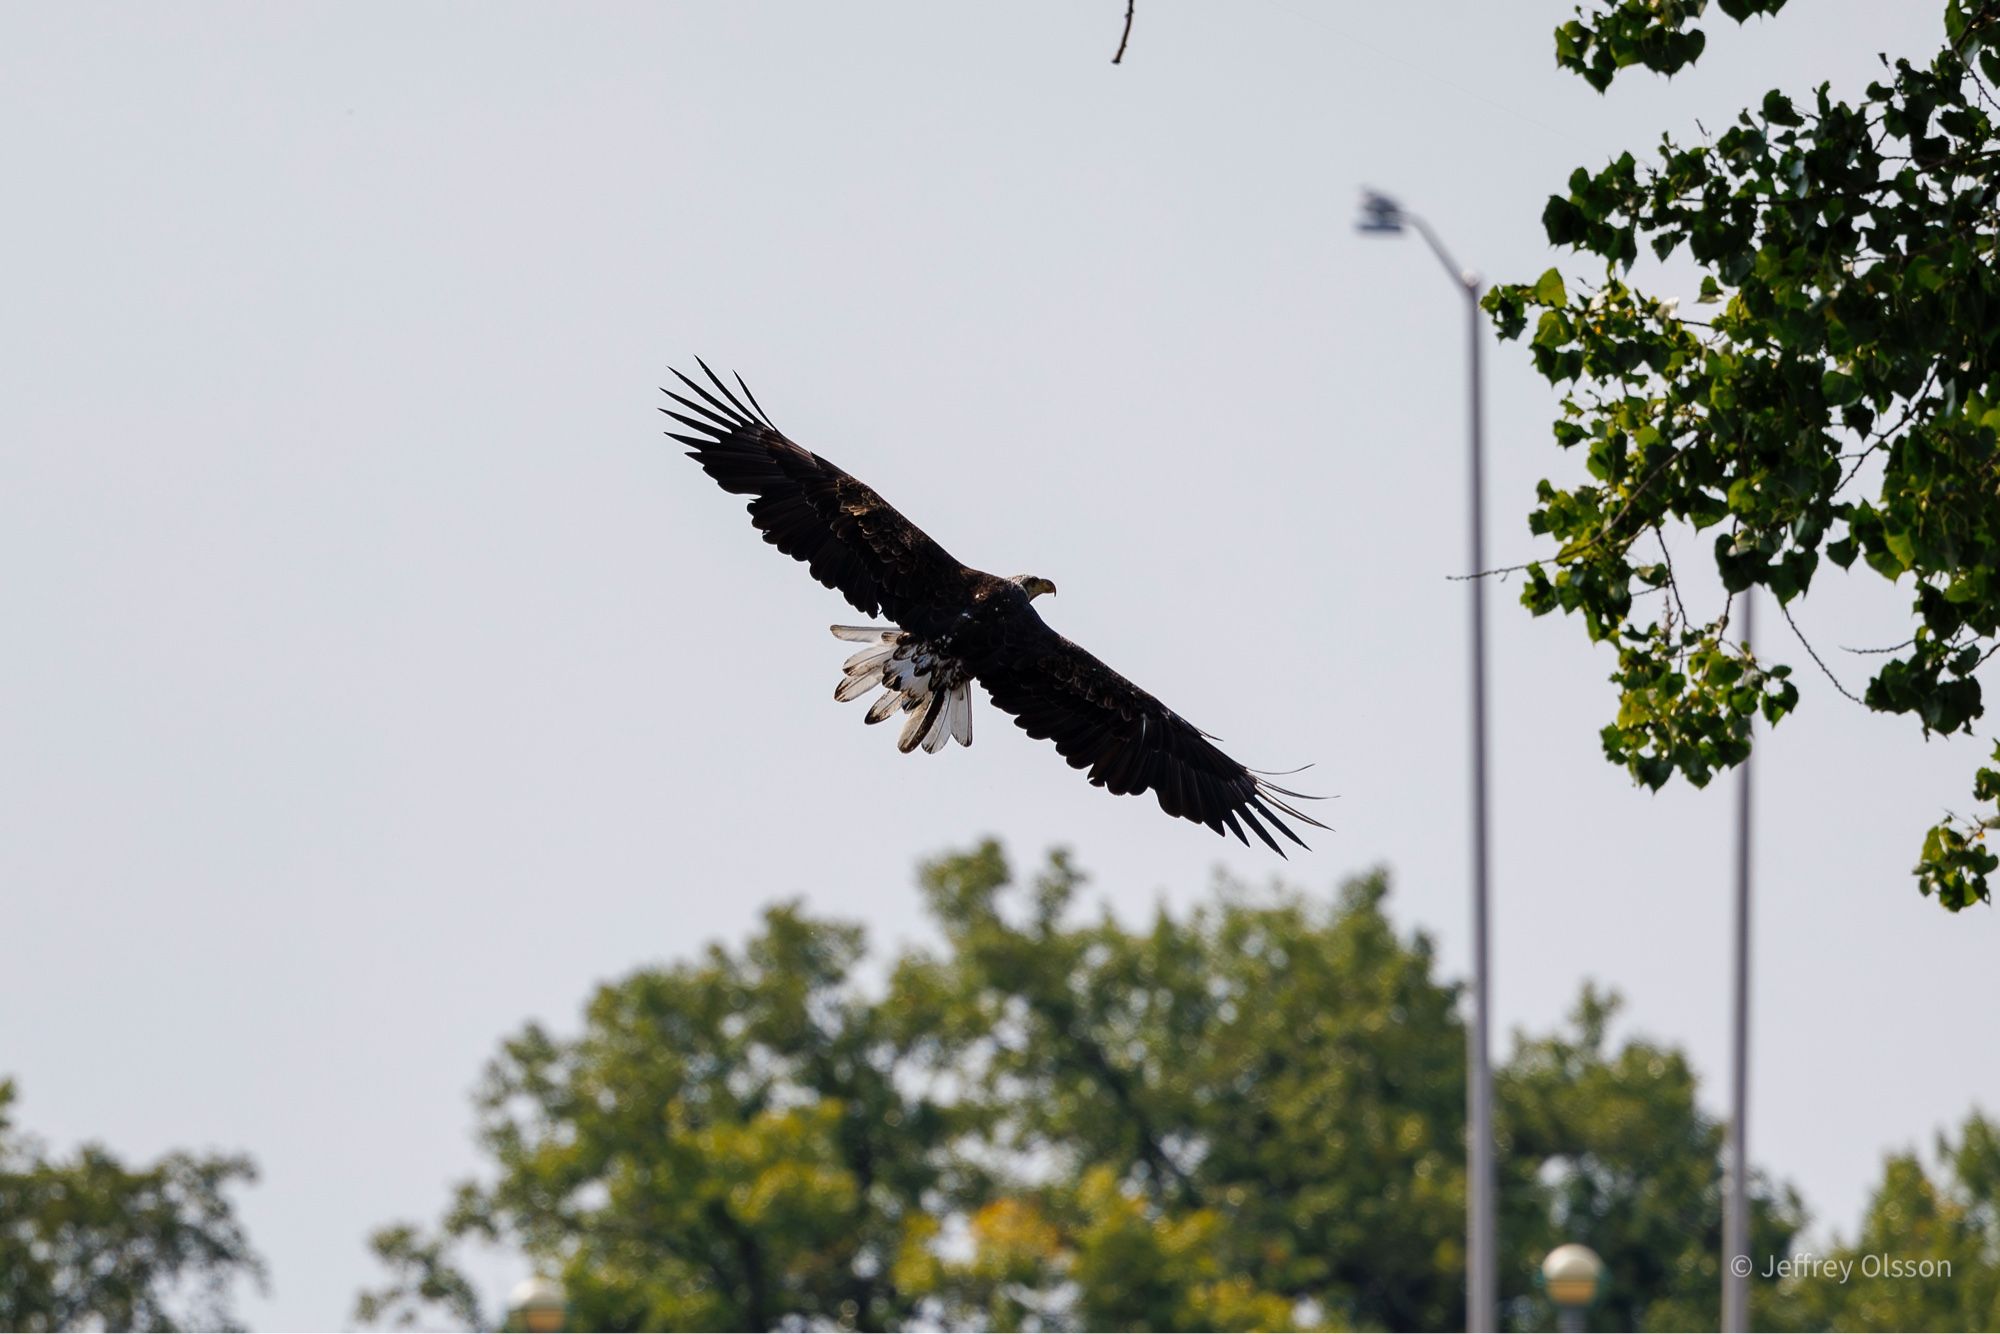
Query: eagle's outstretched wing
[
  {"x": 1128, "y": 740},
  {"x": 851, "y": 539}
]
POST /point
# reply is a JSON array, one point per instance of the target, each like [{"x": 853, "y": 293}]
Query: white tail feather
[
  {"x": 921, "y": 721},
  {"x": 884, "y": 705},
  {"x": 957, "y": 715},
  {"x": 867, "y": 659},
  {"x": 854, "y": 687},
  {"x": 939, "y": 736},
  {"x": 961, "y": 715},
  {"x": 867, "y": 634}
]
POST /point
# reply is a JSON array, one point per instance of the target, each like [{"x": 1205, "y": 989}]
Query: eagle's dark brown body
[{"x": 965, "y": 622}]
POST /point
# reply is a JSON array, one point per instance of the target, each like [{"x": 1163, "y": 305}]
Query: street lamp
[
  {"x": 1381, "y": 215},
  {"x": 537, "y": 1305},
  {"x": 1571, "y": 1275},
  {"x": 1736, "y": 1202}
]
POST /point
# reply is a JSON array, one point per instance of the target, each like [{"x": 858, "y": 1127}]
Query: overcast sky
[{"x": 378, "y": 677}]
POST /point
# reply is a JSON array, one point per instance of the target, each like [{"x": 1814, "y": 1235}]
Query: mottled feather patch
[{"x": 933, "y": 689}]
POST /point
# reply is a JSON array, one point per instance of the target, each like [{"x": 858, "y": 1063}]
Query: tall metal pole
[
  {"x": 1381, "y": 214},
  {"x": 1736, "y": 1258},
  {"x": 1481, "y": 1293}
]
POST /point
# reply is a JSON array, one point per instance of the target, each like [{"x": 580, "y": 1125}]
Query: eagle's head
[{"x": 1034, "y": 585}]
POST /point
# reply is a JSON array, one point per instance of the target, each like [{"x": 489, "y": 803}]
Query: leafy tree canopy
[
  {"x": 1839, "y": 401},
  {"x": 1628, "y": 1162},
  {"x": 1928, "y": 1253},
  {"x": 89, "y": 1242},
  {"x": 1248, "y": 1115}
]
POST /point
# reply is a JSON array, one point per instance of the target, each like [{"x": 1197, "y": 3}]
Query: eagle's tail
[{"x": 933, "y": 690}]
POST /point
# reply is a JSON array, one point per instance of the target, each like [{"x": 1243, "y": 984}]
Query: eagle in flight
[{"x": 955, "y": 625}]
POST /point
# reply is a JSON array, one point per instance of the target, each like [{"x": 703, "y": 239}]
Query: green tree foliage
[
  {"x": 1841, "y": 399},
  {"x": 89, "y": 1242},
  {"x": 1248, "y": 1115},
  {"x": 1928, "y": 1255},
  {"x": 1655, "y": 33},
  {"x": 1275, "y": 1084},
  {"x": 729, "y": 1144},
  {"x": 1630, "y": 1163}
]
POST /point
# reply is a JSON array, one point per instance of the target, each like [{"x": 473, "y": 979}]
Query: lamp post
[
  {"x": 1736, "y": 1203},
  {"x": 1571, "y": 1275},
  {"x": 1381, "y": 215},
  {"x": 537, "y": 1305}
]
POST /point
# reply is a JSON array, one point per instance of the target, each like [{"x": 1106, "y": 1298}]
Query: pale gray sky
[{"x": 378, "y": 676}]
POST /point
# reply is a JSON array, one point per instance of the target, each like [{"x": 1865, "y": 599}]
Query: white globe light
[
  {"x": 539, "y": 1304},
  {"x": 1570, "y": 1274}
]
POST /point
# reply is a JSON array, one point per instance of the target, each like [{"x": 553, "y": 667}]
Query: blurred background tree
[
  {"x": 1627, "y": 1162},
  {"x": 89, "y": 1243},
  {"x": 1951, "y": 1218},
  {"x": 1246, "y": 1115},
  {"x": 730, "y": 1144}
]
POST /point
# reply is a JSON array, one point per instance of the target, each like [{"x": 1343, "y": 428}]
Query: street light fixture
[
  {"x": 1572, "y": 1275},
  {"x": 1379, "y": 213},
  {"x": 1382, "y": 215},
  {"x": 537, "y": 1305},
  {"x": 1736, "y": 1201}
]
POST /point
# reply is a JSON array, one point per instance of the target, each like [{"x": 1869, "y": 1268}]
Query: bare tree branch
[
  {"x": 1127, "y": 36},
  {"x": 1827, "y": 671},
  {"x": 1503, "y": 571}
]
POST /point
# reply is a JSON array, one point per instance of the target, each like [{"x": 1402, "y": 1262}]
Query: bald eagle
[{"x": 955, "y": 625}]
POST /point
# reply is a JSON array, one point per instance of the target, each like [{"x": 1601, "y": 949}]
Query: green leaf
[
  {"x": 1778, "y": 109},
  {"x": 1901, "y": 547},
  {"x": 1563, "y": 222}
]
